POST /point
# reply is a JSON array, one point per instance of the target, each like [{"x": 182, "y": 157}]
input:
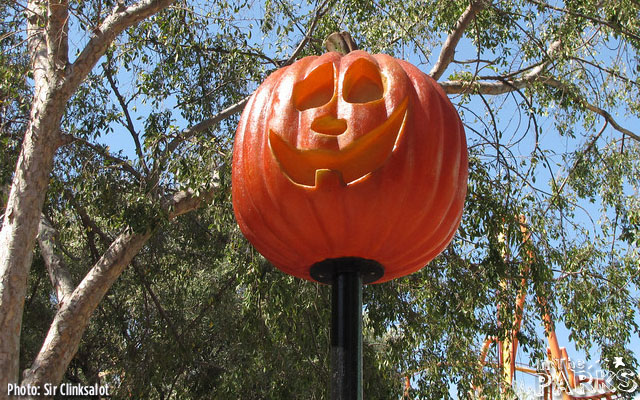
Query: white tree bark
[
  {"x": 58, "y": 273},
  {"x": 449, "y": 48},
  {"x": 55, "y": 81},
  {"x": 24, "y": 204},
  {"x": 72, "y": 319}
]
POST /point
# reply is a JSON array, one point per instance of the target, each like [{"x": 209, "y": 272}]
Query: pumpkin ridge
[
  {"x": 268, "y": 226},
  {"x": 288, "y": 232},
  {"x": 277, "y": 245},
  {"x": 424, "y": 222},
  {"x": 454, "y": 210},
  {"x": 448, "y": 201},
  {"x": 383, "y": 238}
]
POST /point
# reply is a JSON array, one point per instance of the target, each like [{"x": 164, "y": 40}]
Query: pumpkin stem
[{"x": 342, "y": 42}]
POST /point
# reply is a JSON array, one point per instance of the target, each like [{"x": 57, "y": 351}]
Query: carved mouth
[{"x": 358, "y": 159}]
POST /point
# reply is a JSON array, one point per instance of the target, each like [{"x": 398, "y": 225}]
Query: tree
[
  {"x": 182, "y": 307},
  {"x": 55, "y": 81}
]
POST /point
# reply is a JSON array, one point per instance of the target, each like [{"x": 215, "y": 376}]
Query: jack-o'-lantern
[{"x": 349, "y": 156}]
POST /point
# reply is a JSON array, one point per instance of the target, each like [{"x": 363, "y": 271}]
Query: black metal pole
[
  {"x": 346, "y": 336},
  {"x": 346, "y": 275}
]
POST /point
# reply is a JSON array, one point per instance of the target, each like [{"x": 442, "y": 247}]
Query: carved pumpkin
[{"x": 353, "y": 155}]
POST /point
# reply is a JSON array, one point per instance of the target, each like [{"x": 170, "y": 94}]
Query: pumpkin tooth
[{"x": 328, "y": 179}]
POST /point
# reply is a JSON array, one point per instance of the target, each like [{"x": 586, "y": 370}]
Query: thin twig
[
  {"x": 592, "y": 142},
  {"x": 105, "y": 153},
  {"x": 237, "y": 107},
  {"x": 123, "y": 104},
  {"x": 574, "y": 93},
  {"x": 587, "y": 17}
]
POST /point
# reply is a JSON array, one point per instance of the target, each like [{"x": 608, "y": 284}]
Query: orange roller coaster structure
[{"x": 557, "y": 376}]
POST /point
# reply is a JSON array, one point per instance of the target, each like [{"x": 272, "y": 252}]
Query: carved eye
[
  {"x": 362, "y": 82},
  {"x": 316, "y": 89}
]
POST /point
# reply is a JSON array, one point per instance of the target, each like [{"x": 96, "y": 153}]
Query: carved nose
[{"x": 329, "y": 125}]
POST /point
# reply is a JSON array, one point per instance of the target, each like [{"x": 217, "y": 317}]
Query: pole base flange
[{"x": 325, "y": 271}]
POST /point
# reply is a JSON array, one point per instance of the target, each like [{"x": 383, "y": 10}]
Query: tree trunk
[
  {"x": 55, "y": 81},
  {"x": 72, "y": 319},
  {"x": 20, "y": 224},
  {"x": 28, "y": 189}
]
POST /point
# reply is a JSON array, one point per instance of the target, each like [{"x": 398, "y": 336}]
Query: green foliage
[{"x": 14, "y": 91}]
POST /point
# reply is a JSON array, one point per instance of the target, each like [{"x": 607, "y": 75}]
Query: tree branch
[
  {"x": 72, "y": 319},
  {"x": 449, "y": 48},
  {"x": 535, "y": 74},
  {"x": 158, "y": 305},
  {"x": 258, "y": 54},
  {"x": 591, "y": 18},
  {"x": 212, "y": 300},
  {"x": 238, "y": 107},
  {"x": 557, "y": 190},
  {"x": 504, "y": 84},
  {"x": 57, "y": 35},
  {"x": 125, "y": 110},
  {"x": 90, "y": 226},
  {"x": 187, "y": 200},
  {"x": 486, "y": 87},
  {"x": 320, "y": 11},
  {"x": 58, "y": 272},
  {"x": 575, "y": 94},
  {"x": 37, "y": 46},
  {"x": 105, "y": 153},
  {"x": 120, "y": 19},
  {"x": 542, "y": 66},
  {"x": 206, "y": 124}
]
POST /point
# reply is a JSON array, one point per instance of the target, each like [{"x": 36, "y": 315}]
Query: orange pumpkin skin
[{"x": 353, "y": 155}]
